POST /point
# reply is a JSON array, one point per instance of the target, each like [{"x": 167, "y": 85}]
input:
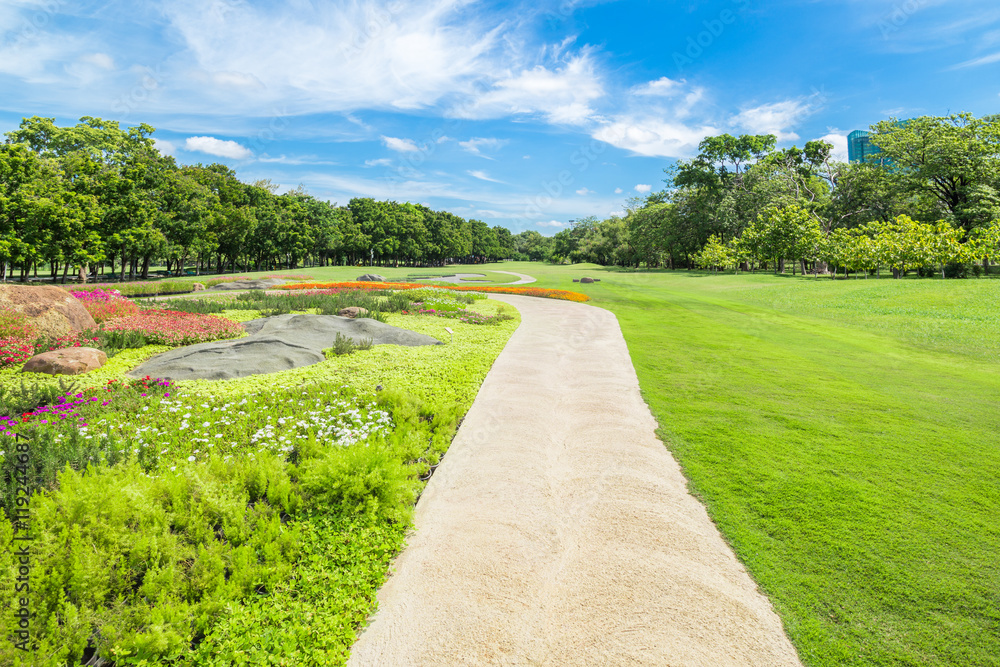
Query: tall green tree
[{"x": 955, "y": 159}]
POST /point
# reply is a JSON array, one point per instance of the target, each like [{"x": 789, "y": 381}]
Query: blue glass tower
[{"x": 860, "y": 148}]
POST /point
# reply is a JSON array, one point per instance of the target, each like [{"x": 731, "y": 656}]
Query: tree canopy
[{"x": 97, "y": 194}]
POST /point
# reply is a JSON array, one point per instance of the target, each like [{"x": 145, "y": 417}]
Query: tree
[
  {"x": 953, "y": 158},
  {"x": 715, "y": 255}
]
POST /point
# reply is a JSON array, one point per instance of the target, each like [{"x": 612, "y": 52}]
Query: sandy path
[
  {"x": 521, "y": 278},
  {"x": 558, "y": 529}
]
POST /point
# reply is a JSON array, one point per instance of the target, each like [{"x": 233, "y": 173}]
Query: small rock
[
  {"x": 352, "y": 311},
  {"x": 586, "y": 280},
  {"x": 576, "y": 280},
  {"x": 70, "y": 361},
  {"x": 371, "y": 278},
  {"x": 597, "y": 280},
  {"x": 198, "y": 287}
]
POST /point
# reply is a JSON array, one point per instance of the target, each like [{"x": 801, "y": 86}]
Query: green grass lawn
[{"x": 845, "y": 437}]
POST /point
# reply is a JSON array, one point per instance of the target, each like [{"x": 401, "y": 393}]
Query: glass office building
[{"x": 860, "y": 148}]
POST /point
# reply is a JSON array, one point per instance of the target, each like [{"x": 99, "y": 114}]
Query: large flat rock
[
  {"x": 267, "y": 283},
  {"x": 274, "y": 344}
]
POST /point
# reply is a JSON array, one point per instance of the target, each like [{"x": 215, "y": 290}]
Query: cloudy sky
[{"x": 525, "y": 114}]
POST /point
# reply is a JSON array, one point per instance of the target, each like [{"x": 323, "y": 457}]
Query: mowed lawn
[{"x": 845, "y": 437}]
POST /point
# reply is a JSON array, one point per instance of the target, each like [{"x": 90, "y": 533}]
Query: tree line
[
  {"x": 96, "y": 196},
  {"x": 929, "y": 199}
]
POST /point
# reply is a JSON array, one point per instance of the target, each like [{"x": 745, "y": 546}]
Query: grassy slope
[{"x": 843, "y": 435}]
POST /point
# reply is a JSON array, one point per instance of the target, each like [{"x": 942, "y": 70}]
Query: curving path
[
  {"x": 522, "y": 278},
  {"x": 558, "y": 529}
]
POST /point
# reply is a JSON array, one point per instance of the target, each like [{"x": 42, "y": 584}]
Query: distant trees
[
  {"x": 99, "y": 195},
  {"x": 931, "y": 202}
]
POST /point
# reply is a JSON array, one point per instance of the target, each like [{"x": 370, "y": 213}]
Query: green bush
[
  {"x": 956, "y": 270},
  {"x": 15, "y": 400},
  {"x": 151, "y": 288},
  {"x": 344, "y": 345},
  {"x": 149, "y": 569},
  {"x": 362, "y": 478}
]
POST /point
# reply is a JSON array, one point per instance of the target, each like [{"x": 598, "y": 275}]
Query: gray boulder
[
  {"x": 249, "y": 284},
  {"x": 586, "y": 280},
  {"x": 274, "y": 344},
  {"x": 371, "y": 278}
]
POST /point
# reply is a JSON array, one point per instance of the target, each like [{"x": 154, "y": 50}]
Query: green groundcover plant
[{"x": 234, "y": 522}]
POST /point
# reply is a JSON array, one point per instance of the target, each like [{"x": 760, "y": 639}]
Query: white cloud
[
  {"x": 584, "y": 192},
  {"x": 776, "y": 118},
  {"x": 101, "y": 60},
  {"x": 476, "y": 143},
  {"x": 401, "y": 145},
  {"x": 236, "y": 80},
  {"x": 643, "y": 188},
  {"x": 656, "y": 124},
  {"x": 978, "y": 62},
  {"x": 550, "y": 223},
  {"x": 381, "y": 162},
  {"x": 653, "y": 137},
  {"x": 482, "y": 175},
  {"x": 839, "y": 141},
  {"x": 662, "y": 87},
  {"x": 366, "y": 54},
  {"x": 164, "y": 146},
  {"x": 218, "y": 147},
  {"x": 618, "y": 191},
  {"x": 562, "y": 94}
]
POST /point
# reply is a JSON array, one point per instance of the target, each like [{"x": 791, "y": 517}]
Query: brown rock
[
  {"x": 70, "y": 361},
  {"x": 198, "y": 287},
  {"x": 53, "y": 312},
  {"x": 352, "y": 311},
  {"x": 586, "y": 280}
]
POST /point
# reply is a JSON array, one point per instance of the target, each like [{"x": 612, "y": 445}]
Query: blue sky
[{"x": 523, "y": 114}]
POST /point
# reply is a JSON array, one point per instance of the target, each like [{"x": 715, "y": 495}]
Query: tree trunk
[
  {"x": 895, "y": 272},
  {"x": 84, "y": 269},
  {"x": 65, "y": 272}
]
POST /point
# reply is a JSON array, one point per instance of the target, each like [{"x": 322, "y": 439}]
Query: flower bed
[
  {"x": 489, "y": 289},
  {"x": 15, "y": 351},
  {"x": 170, "y": 327},
  {"x": 106, "y": 305}
]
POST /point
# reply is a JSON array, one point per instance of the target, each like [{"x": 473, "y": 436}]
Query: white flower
[{"x": 191, "y": 459}]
